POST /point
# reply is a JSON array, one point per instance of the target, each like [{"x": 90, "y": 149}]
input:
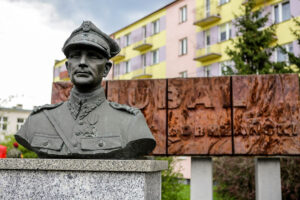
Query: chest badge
[{"x": 87, "y": 127}]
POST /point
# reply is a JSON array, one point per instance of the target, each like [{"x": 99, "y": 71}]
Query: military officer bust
[{"x": 87, "y": 125}]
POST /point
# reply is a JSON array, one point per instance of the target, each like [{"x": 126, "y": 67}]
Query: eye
[
  {"x": 74, "y": 55},
  {"x": 94, "y": 55}
]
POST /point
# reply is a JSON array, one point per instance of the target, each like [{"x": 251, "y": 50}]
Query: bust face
[{"x": 86, "y": 68}]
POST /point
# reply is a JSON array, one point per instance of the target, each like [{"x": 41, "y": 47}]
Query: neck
[{"x": 87, "y": 89}]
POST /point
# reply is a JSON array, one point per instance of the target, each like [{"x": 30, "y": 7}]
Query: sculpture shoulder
[
  {"x": 46, "y": 106},
  {"x": 126, "y": 108}
]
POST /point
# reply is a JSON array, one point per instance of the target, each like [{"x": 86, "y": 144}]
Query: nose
[{"x": 82, "y": 62}]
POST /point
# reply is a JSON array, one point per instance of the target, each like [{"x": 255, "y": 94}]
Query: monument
[{"x": 87, "y": 125}]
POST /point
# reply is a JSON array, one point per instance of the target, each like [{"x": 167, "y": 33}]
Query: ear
[{"x": 107, "y": 68}]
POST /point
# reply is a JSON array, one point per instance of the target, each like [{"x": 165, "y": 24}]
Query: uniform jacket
[{"x": 87, "y": 126}]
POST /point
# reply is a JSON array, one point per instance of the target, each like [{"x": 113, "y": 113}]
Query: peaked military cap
[{"x": 89, "y": 35}]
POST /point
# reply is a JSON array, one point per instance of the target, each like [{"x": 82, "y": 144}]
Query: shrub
[
  {"x": 8, "y": 142},
  {"x": 235, "y": 177},
  {"x": 172, "y": 187}
]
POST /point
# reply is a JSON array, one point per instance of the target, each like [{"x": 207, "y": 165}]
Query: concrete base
[
  {"x": 267, "y": 179},
  {"x": 201, "y": 179},
  {"x": 80, "y": 179}
]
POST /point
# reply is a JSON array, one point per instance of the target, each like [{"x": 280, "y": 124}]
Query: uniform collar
[{"x": 81, "y": 104}]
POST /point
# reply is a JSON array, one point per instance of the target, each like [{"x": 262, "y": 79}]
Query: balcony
[
  {"x": 120, "y": 56},
  {"x": 208, "y": 20},
  {"x": 257, "y": 2},
  {"x": 143, "y": 74},
  {"x": 143, "y": 45},
  {"x": 207, "y": 54}
]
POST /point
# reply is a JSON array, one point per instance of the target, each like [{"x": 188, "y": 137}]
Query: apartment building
[
  {"x": 214, "y": 21},
  {"x": 160, "y": 45},
  {"x": 11, "y": 120},
  {"x": 188, "y": 38},
  {"x": 60, "y": 72}
]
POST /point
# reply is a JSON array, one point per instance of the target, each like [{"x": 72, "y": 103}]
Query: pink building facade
[{"x": 179, "y": 27}]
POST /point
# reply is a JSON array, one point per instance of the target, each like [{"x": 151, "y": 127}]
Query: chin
[{"x": 82, "y": 81}]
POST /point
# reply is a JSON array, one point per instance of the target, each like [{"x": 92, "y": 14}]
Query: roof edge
[{"x": 145, "y": 16}]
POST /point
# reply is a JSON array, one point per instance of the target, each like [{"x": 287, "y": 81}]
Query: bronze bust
[{"x": 87, "y": 125}]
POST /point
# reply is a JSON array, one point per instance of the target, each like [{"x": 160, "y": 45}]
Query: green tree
[
  {"x": 251, "y": 50},
  {"x": 172, "y": 186}
]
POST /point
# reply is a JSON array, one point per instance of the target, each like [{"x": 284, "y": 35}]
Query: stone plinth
[{"x": 80, "y": 179}]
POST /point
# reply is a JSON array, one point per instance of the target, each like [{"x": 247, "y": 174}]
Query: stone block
[
  {"x": 150, "y": 97},
  {"x": 80, "y": 179},
  {"x": 199, "y": 116},
  {"x": 266, "y": 114}
]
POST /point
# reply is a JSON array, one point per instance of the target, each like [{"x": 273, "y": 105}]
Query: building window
[
  {"x": 117, "y": 70},
  {"x": 3, "y": 123},
  {"x": 20, "y": 122},
  {"x": 206, "y": 70},
  {"x": 127, "y": 66},
  {"x": 127, "y": 39},
  {"x": 183, "y": 74},
  {"x": 225, "y": 32},
  {"x": 207, "y": 41},
  {"x": 281, "y": 56},
  {"x": 144, "y": 60},
  {"x": 183, "y": 46},
  {"x": 282, "y": 12},
  {"x": 155, "y": 27},
  {"x": 144, "y": 29},
  {"x": 207, "y": 8},
  {"x": 155, "y": 57},
  {"x": 183, "y": 14},
  {"x": 223, "y": 2},
  {"x": 207, "y": 38},
  {"x": 118, "y": 40}
]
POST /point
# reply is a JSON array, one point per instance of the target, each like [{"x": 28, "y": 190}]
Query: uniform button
[
  {"x": 101, "y": 144},
  {"x": 45, "y": 143},
  {"x": 80, "y": 122}
]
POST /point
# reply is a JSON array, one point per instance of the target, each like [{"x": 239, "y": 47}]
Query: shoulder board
[
  {"x": 46, "y": 106},
  {"x": 131, "y": 110}
]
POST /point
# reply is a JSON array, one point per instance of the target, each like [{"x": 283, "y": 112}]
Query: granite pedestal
[{"x": 80, "y": 179}]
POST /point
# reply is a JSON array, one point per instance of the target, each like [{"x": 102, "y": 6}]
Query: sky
[{"x": 32, "y": 33}]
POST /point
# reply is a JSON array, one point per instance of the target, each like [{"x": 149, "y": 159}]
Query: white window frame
[
  {"x": 289, "y": 48},
  {"x": 155, "y": 27},
  {"x": 183, "y": 14},
  {"x": 207, "y": 8},
  {"x": 228, "y": 31},
  {"x": 222, "y": 3},
  {"x": 20, "y": 124},
  {"x": 280, "y": 12},
  {"x": 3, "y": 122},
  {"x": 207, "y": 41},
  {"x": 127, "y": 40},
  {"x": 127, "y": 66},
  {"x": 155, "y": 57},
  {"x": 183, "y": 74},
  {"x": 183, "y": 46}
]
